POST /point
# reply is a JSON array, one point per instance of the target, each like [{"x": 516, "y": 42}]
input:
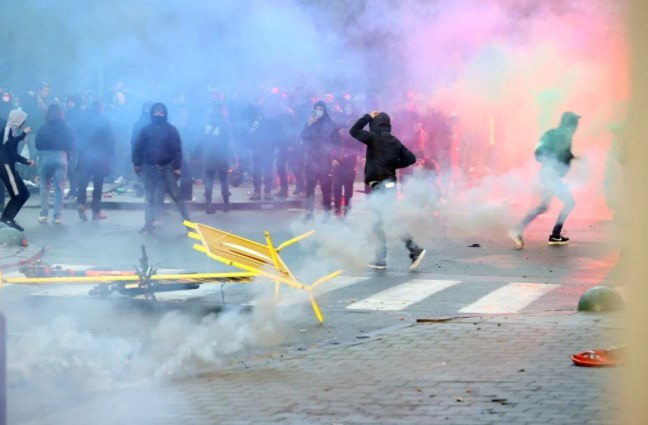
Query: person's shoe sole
[
  {"x": 42, "y": 220},
  {"x": 517, "y": 240},
  {"x": 376, "y": 266},
  {"x": 557, "y": 243},
  {"x": 418, "y": 260}
]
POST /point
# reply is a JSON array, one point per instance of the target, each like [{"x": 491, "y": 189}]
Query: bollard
[{"x": 601, "y": 298}]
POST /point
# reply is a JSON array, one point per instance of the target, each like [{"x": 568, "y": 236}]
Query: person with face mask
[
  {"x": 14, "y": 132},
  {"x": 322, "y": 142},
  {"x": 157, "y": 155},
  {"x": 6, "y": 104},
  {"x": 555, "y": 156},
  {"x": 385, "y": 154}
]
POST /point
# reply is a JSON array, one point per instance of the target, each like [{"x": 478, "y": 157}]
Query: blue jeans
[{"x": 53, "y": 171}]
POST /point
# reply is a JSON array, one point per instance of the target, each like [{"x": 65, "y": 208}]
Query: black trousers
[
  {"x": 262, "y": 159},
  {"x": 322, "y": 176},
  {"x": 343, "y": 178},
  {"x": 282, "y": 172},
  {"x": 91, "y": 171},
  {"x": 297, "y": 164},
  {"x": 18, "y": 192},
  {"x": 209, "y": 185}
]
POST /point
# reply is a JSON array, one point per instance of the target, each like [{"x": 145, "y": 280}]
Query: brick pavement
[{"x": 497, "y": 370}]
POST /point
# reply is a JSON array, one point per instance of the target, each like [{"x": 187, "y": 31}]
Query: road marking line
[
  {"x": 289, "y": 298},
  {"x": 403, "y": 295},
  {"x": 510, "y": 298}
]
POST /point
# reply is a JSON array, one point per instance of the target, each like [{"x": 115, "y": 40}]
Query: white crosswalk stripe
[
  {"x": 403, "y": 295},
  {"x": 510, "y": 298}
]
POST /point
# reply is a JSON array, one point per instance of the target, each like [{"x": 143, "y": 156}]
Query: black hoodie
[
  {"x": 385, "y": 153},
  {"x": 158, "y": 143}
]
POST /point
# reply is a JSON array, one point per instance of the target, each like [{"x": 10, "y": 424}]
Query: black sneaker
[
  {"x": 416, "y": 257},
  {"x": 282, "y": 194},
  {"x": 210, "y": 209},
  {"x": 377, "y": 265},
  {"x": 13, "y": 224},
  {"x": 255, "y": 197},
  {"x": 267, "y": 196},
  {"x": 558, "y": 240}
]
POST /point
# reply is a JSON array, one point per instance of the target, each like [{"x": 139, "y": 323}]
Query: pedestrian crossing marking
[
  {"x": 510, "y": 298},
  {"x": 403, "y": 295},
  {"x": 293, "y": 298}
]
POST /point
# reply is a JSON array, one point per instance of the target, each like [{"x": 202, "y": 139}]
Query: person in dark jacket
[
  {"x": 555, "y": 155},
  {"x": 322, "y": 142},
  {"x": 215, "y": 150},
  {"x": 143, "y": 120},
  {"x": 345, "y": 172},
  {"x": 157, "y": 155},
  {"x": 385, "y": 154},
  {"x": 14, "y": 132},
  {"x": 261, "y": 149},
  {"x": 96, "y": 148},
  {"x": 55, "y": 143}
]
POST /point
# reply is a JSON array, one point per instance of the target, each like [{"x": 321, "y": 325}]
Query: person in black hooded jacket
[
  {"x": 157, "y": 155},
  {"x": 322, "y": 141},
  {"x": 385, "y": 154}
]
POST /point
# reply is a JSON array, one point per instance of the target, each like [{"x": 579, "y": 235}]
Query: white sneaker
[
  {"x": 120, "y": 180},
  {"x": 42, "y": 219},
  {"x": 30, "y": 183},
  {"x": 517, "y": 239},
  {"x": 58, "y": 221}
]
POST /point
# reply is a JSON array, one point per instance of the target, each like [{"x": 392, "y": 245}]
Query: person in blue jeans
[{"x": 55, "y": 143}]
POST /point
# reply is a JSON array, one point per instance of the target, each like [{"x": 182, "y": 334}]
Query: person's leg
[
  {"x": 46, "y": 173},
  {"x": 58, "y": 181},
  {"x": 257, "y": 160},
  {"x": 209, "y": 186},
  {"x": 224, "y": 184},
  {"x": 297, "y": 168},
  {"x": 151, "y": 178},
  {"x": 311, "y": 182},
  {"x": 337, "y": 183},
  {"x": 18, "y": 192},
  {"x": 347, "y": 184},
  {"x": 282, "y": 160},
  {"x": 84, "y": 178},
  {"x": 564, "y": 194},
  {"x": 326, "y": 185},
  {"x": 97, "y": 192},
  {"x": 540, "y": 209},
  {"x": 268, "y": 173},
  {"x": 171, "y": 183}
]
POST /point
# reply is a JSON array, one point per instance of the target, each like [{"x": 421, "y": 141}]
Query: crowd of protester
[{"x": 283, "y": 142}]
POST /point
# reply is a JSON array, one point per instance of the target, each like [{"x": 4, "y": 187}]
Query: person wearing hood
[
  {"x": 96, "y": 149},
  {"x": 555, "y": 156},
  {"x": 55, "y": 143},
  {"x": 14, "y": 132},
  {"x": 322, "y": 142},
  {"x": 157, "y": 155},
  {"x": 385, "y": 154}
]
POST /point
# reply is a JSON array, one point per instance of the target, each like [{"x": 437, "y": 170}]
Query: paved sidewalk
[{"x": 493, "y": 370}]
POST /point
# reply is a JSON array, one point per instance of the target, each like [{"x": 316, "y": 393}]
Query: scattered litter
[
  {"x": 433, "y": 320},
  {"x": 475, "y": 245},
  {"x": 362, "y": 336},
  {"x": 303, "y": 330},
  {"x": 459, "y": 399},
  {"x": 522, "y": 370}
]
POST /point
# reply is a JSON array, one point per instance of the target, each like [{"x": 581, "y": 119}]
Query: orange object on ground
[{"x": 599, "y": 358}]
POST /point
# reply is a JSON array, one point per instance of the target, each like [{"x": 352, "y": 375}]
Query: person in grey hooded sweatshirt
[{"x": 14, "y": 132}]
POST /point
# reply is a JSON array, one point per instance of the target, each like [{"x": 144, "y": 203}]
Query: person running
[
  {"x": 555, "y": 155},
  {"x": 14, "y": 133},
  {"x": 385, "y": 154}
]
